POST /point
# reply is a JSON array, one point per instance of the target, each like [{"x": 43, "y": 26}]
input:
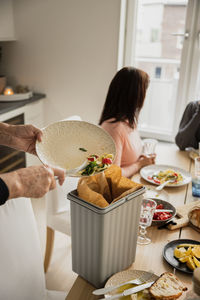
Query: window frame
[{"x": 190, "y": 58}]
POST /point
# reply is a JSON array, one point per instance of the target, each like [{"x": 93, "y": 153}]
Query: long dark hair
[{"x": 125, "y": 96}]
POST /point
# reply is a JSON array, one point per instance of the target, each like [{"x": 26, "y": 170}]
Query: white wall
[{"x": 66, "y": 49}]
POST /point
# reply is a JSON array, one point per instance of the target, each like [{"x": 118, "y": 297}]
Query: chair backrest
[{"x": 21, "y": 264}]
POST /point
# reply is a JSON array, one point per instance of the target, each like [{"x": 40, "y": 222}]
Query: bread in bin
[
  {"x": 194, "y": 216},
  {"x": 167, "y": 287}
]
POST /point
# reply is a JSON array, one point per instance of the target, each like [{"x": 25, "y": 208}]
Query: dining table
[{"x": 150, "y": 257}]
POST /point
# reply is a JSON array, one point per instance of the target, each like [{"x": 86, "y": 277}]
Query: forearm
[
  {"x": 131, "y": 170},
  {"x": 12, "y": 180}
]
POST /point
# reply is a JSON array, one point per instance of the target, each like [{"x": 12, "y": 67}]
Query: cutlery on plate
[
  {"x": 75, "y": 170},
  {"x": 161, "y": 186},
  {"x": 129, "y": 291},
  {"x": 142, "y": 279},
  {"x": 163, "y": 210}
]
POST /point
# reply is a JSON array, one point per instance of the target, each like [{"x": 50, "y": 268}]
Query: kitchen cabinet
[
  {"x": 7, "y": 31},
  {"x": 33, "y": 114}
]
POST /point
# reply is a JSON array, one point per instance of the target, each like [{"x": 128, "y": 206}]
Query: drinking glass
[
  {"x": 147, "y": 211},
  {"x": 149, "y": 146},
  {"x": 197, "y": 166},
  {"x": 196, "y": 178}
]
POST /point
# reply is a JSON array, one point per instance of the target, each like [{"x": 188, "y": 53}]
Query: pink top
[{"x": 128, "y": 145}]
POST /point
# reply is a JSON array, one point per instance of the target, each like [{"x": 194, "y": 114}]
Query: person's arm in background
[
  {"x": 142, "y": 161},
  {"x": 189, "y": 124},
  {"x": 31, "y": 182},
  {"x": 20, "y": 137}
]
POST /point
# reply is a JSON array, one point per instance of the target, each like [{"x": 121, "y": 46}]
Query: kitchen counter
[{"x": 11, "y": 105}]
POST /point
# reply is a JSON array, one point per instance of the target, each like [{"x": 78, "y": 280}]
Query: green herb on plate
[{"x": 83, "y": 149}]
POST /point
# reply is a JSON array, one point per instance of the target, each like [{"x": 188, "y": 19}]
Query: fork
[
  {"x": 142, "y": 279},
  {"x": 160, "y": 187}
]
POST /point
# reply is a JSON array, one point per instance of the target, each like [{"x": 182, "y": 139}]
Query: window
[
  {"x": 162, "y": 38},
  {"x": 154, "y": 35},
  {"x": 158, "y": 72}
]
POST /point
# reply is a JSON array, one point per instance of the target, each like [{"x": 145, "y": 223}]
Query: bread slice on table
[{"x": 167, "y": 287}]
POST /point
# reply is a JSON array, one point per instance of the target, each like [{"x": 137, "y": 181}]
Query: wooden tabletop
[{"x": 149, "y": 257}]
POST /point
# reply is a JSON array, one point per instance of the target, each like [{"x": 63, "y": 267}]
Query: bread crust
[
  {"x": 194, "y": 216},
  {"x": 155, "y": 289}
]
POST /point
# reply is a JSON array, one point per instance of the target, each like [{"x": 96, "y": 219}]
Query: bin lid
[{"x": 73, "y": 196}]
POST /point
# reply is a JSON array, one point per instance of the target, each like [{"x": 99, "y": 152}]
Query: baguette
[{"x": 167, "y": 287}]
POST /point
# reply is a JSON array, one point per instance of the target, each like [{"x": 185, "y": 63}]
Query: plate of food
[
  {"x": 70, "y": 144},
  {"x": 128, "y": 275},
  {"x": 158, "y": 290},
  {"x": 183, "y": 254},
  {"x": 159, "y": 174}
]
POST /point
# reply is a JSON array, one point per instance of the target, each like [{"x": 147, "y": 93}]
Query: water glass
[
  {"x": 197, "y": 166},
  {"x": 149, "y": 146},
  {"x": 147, "y": 211},
  {"x": 196, "y": 178}
]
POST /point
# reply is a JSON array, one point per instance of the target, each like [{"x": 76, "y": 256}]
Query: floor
[{"x": 60, "y": 276}]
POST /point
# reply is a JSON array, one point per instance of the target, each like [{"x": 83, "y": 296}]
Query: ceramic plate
[
  {"x": 166, "y": 205},
  {"x": 124, "y": 276},
  {"x": 152, "y": 169},
  {"x": 61, "y": 143},
  {"x": 152, "y": 193},
  {"x": 168, "y": 254}
]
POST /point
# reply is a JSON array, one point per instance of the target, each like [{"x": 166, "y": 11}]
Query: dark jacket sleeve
[
  {"x": 4, "y": 192},
  {"x": 190, "y": 123}
]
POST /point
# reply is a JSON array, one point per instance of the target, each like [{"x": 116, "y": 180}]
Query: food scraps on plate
[
  {"x": 96, "y": 163},
  {"x": 163, "y": 176},
  {"x": 161, "y": 216}
]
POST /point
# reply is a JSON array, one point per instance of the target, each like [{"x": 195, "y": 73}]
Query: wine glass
[{"x": 147, "y": 211}]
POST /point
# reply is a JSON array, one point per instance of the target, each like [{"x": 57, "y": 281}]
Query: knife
[
  {"x": 129, "y": 291},
  {"x": 163, "y": 210}
]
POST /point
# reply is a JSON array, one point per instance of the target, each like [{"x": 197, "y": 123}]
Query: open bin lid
[{"x": 73, "y": 196}]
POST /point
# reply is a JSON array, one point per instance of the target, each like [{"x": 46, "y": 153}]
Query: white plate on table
[
  {"x": 152, "y": 169},
  {"x": 125, "y": 276},
  {"x": 151, "y": 192},
  {"x": 62, "y": 142}
]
